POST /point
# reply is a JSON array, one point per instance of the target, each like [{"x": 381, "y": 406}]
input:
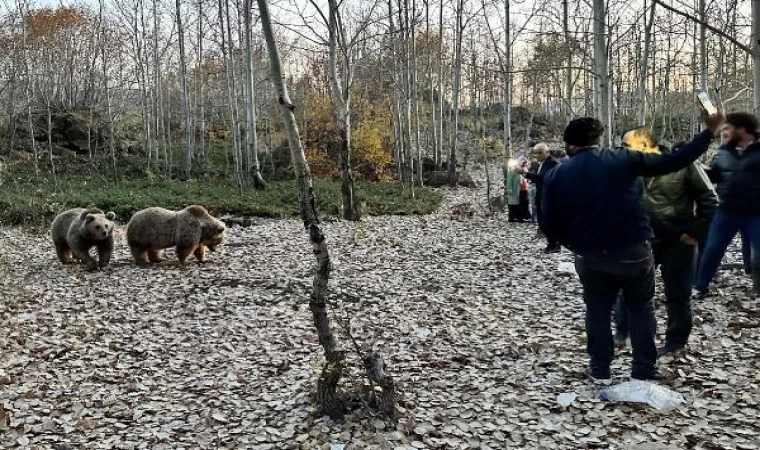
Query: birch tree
[
  {"x": 185, "y": 95},
  {"x": 602, "y": 87},
  {"x": 458, "y": 33},
  {"x": 251, "y": 136},
  {"x": 328, "y": 398}
]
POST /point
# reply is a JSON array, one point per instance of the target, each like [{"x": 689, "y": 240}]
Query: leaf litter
[{"x": 481, "y": 330}]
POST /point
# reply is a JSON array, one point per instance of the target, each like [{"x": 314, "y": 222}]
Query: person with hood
[
  {"x": 736, "y": 170},
  {"x": 680, "y": 206}
]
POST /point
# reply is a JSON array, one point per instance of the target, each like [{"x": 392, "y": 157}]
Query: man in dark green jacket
[{"x": 680, "y": 207}]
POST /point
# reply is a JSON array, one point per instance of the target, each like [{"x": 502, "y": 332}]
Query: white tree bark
[
  {"x": 457, "y": 84},
  {"x": 252, "y": 138},
  {"x": 644, "y": 65},
  {"x": 329, "y": 401},
  {"x": 756, "y": 56},
  {"x": 602, "y": 92},
  {"x": 189, "y": 154},
  {"x": 340, "y": 90},
  {"x": 231, "y": 90}
]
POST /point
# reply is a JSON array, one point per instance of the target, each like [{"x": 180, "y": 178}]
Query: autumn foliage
[{"x": 370, "y": 139}]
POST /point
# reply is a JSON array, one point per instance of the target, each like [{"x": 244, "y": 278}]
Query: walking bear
[
  {"x": 77, "y": 230},
  {"x": 190, "y": 230}
]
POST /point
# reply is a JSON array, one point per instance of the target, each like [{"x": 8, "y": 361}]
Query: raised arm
[{"x": 655, "y": 164}]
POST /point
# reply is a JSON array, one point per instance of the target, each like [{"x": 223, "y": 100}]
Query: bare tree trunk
[
  {"x": 702, "y": 46},
  {"x": 756, "y": 56},
  {"x": 569, "y": 62},
  {"x": 28, "y": 86},
  {"x": 185, "y": 95},
  {"x": 251, "y": 136},
  {"x": 231, "y": 91},
  {"x": 644, "y": 65},
  {"x": 433, "y": 107},
  {"x": 340, "y": 88},
  {"x": 330, "y": 402},
  {"x": 441, "y": 97},
  {"x": 602, "y": 93},
  {"x": 415, "y": 95},
  {"x": 50, "y": 138},
  {"x": 507, "y": 81},
  {"x": 201, "y": 84},
  {"x": 109, "y": 110},
  {"x": 457, "y": 83}
]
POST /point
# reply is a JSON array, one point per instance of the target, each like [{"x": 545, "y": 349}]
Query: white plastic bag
[{"x": 637, "y": 391}]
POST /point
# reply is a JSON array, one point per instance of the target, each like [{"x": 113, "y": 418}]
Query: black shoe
[
  {"x": 598, "y": 376},
  {"x": 621, "y": 340},
  {"x": 657, "y": 375},
  {"x": 670, "y": 350},
  {"x": 552, "y": 249}
]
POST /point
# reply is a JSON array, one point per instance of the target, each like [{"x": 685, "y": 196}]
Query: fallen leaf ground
[{"x": 477, "y": 326}]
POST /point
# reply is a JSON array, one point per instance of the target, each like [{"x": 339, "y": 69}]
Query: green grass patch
[{"x": 31, "y": 200}]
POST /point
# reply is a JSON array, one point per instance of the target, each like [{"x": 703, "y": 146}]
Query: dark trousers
[
  {"x": 676, "y": 261},
  {"x": 603, "y": 275},
  {"x": 550, "y": 242},
  {"x": 723, "y": 228}
]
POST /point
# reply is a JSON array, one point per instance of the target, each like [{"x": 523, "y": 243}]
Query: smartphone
[{"x": 707, "y": 104}]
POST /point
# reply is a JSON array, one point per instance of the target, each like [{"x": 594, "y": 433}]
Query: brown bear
[
  {"x": 77, "y": 230},
  {"x": 190, "y": 230}
]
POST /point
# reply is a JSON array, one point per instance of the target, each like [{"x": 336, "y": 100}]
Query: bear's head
[
  {"x": 96, "y": 224},
  {"x": 212, "y": 234}
]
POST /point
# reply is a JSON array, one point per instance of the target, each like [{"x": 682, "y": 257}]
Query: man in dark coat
[
  {"x": 736, "y": 170},
  {"x": 546, "y": 163},
  {"x": 592, "y": 205}
]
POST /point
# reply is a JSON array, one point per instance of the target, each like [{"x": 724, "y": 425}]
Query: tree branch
[{"x": 706, "y": 25}]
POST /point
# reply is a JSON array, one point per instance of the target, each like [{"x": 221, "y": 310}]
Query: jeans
[
  {"x": 533, "y": 209},
  {"x": 746, "y": 253},
  {"x": 676, "y": 261},
  {"x": 723, "y": 228},
  {"x": 603, "y": 274}
]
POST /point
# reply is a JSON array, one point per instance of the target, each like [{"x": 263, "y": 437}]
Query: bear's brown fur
[
  {"x": 77, "y": 230},
  {"x": 190, "y": 230}
]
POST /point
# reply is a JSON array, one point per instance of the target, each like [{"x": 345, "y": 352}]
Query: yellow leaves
[
  {"x": 371, "y": 159},
  {"x": 370, "y": 138},
  {"x": 320, "y": 164},
  {"x": 49, "y": 22}
]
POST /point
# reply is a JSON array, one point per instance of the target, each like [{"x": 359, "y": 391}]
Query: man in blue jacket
[
  {"x": 592, "y": 205},
  {"x": 736, "y": 170}
]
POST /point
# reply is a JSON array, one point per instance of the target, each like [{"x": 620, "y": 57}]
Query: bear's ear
[
  {"x": 89, "y": 217},
  {"x": 84, "y": 215},
  {"x": 111, "y": 215}
]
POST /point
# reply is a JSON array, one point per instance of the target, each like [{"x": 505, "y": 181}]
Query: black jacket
[
  {"x": 593, "y": 202},
  {"x": 538, "y": 176},
  {"x": 738, "y": 179}
]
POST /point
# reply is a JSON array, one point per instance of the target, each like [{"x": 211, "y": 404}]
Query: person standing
[
  {"x": 736, "y": 170},
  {"x": 592, "y": 205},
  {"x": 546, "y": 163},
  {"x": 512, "y": 191},
  {"x": 680, "y": 206}
]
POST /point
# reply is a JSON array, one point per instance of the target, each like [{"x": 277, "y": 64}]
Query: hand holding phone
[{"x": 706, "y": 103}]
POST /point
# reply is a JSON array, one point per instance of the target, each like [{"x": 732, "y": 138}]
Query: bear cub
[
  {"x": 190, "y": 230},
  {"x": 77, "y": 230}
]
